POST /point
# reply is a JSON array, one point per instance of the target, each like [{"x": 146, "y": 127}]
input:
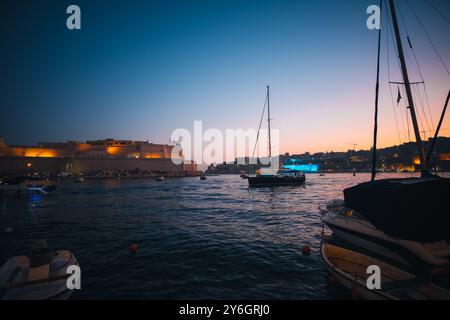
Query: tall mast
[
  {"x": 377, "y": 89},
  {"x": 423, "y": 164},
  {"x": 268, "y": 121}
]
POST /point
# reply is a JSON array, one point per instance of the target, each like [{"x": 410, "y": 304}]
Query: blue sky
[{"x": 140, "y": 69}]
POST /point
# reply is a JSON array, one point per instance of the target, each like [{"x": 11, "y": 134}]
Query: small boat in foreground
[
  {"x": 349, "y": 268},
  {"x": 160, "y": 178},
  {"x": 403, "y": 221},
  {"x": 41, "y": 276},
  {"x": 202, "y": 177}
]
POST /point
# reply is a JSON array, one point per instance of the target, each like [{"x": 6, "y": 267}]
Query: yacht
[
  {"x": 400, "y": 224},
  {"x": 270, "y": 177}
]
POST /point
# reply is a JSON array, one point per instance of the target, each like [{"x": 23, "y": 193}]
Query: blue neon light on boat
[{"x": 302, "y": 167}]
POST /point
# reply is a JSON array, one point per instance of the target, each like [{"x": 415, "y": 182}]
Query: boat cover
[{"x": 415, "y": 209}]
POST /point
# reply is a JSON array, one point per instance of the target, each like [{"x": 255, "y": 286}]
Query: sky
[{"x": 141, "y": 69}]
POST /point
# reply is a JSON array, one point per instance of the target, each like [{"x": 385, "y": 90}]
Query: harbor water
[{"x": 211, "y": 239}]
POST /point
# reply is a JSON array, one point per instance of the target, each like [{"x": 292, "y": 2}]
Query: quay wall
[
  {"x": 25, "y": 165},
  {"x": 54, "y": 166},
  {"x": 91, "y": 165}
]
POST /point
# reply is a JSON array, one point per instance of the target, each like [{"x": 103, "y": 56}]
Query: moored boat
[
  {"x": 273, "y": 176},
  {"x": 281, "y": 178},
  {"x": 399, "y": 226},
  {"x": 20, "y": 186},
  {"x": 349, "y": 268},
  {"x": 41, "y": 276}
]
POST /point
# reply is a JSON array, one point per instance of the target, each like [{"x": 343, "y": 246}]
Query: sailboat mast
[
  {"x": 268, "y": 121},
  {"x": 375, "y": 125},
  {"x": 420, "y": 150}
]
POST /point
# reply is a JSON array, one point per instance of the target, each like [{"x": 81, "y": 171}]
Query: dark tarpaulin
[{"x": 416, "y": 209}]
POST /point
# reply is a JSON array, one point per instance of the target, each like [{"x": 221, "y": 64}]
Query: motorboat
[
  {"x": 398, "y": 225},
  {"x": 404, "y": 222},
  {"x": 42, "y": 188},
  {"x": 42, "y": 275},
  {"x": 350, "y": 269},
  {"x": 19, "y": 186}
]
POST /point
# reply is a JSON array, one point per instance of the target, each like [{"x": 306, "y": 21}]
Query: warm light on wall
[
  {"x": 444, "y": 157},
  {"x": 152, "y": 156},
  {"x": 112, "y": 151},
  {"x": 416, "y": 160},
  {"x": 40, "y": 153},
  {"x": 407, "y": 168}
]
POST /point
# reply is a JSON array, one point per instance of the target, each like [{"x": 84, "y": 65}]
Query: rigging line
[
  {"x": 419, "y": 117},
  {"x": 402, "y": 116},
  {"x": 428, "y": 104},
  {"x": 438, "y": 127},
  {"x": 408, "y": 38},
  {"x": 419, "y": 71},
  {"x": 407, "y": 113},
  {"x": 259, "y": 128},
  {"x": 389, "y": 80},
  {"x": 429, "y": 38},
  {"x": 422, "y": 102},
  {"x": 419, "y": 98},
  {"x": 395, "y": 114},
  {"x": 425, "y": 92},
  {"x": 438, "y": 11},
  {"x": 407, "y": 124}
]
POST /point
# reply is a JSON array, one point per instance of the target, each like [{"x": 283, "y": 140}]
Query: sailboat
[
  {"x": 267, "y": 177},
  {"x": 402, "y": 222}
]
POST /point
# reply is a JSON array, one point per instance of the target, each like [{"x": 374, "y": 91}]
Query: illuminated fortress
[{"x": 92, "y": 156}]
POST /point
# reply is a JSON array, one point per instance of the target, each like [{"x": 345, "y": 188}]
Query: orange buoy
[
  {"x": 306, "y": 250},
  {"x": 133, "y": 248}
]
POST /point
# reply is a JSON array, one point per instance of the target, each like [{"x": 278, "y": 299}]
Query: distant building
[{"x": 402, "y": 158}]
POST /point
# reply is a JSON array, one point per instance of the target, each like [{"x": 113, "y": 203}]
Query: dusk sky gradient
[{"x": 140, "y": 69}]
